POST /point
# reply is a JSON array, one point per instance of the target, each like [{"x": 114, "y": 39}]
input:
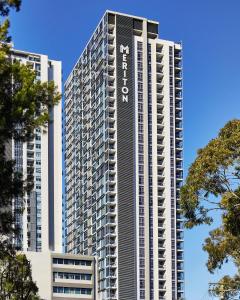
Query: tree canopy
[
  {"x": 6, "y": 5},
  {"x": 25, "y": 103},
  {"x": 16, "y": 281},
  {"x": 212, "y": 184}
]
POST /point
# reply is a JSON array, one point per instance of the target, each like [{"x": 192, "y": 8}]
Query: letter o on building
[{"x": 125, "y": 90}]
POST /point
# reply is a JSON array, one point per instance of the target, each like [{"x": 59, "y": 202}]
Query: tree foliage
[
  {"x": 16, "y": 281},
  {"x": 212, "y": 185},
  {"x": 25, "y": 103},
  {"x": 5, "y": 6}
]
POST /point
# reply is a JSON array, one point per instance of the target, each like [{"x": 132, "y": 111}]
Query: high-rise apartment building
[
  {"x": 123, "y": 159},
  {"x": 41, "y": 158}
]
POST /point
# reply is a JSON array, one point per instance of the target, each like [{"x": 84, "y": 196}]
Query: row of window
[
  {"x": 74, "y": 276},
  {"x": 76, "y": 262},
  {"x": 71, "y": 290}
]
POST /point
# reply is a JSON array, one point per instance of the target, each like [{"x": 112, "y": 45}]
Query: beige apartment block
[{"x": 63, "y": 276}]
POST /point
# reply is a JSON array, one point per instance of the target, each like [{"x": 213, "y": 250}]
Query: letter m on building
[{"x": 124, "y": 49}]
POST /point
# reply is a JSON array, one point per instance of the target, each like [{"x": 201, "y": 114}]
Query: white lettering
[
  {"x": 125, "y": 90},
  {"x": 124, "y": 66},
  {"x": 125, "y": 81},
  {"x": 124, "y": 48}
]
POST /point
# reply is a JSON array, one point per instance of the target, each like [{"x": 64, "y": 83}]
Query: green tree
[
  {"x": 5, "y": 6},
  {"x": 25, "y": 104},
  {"x": 16, "y": 281},
  {"x": 212, "y": 185}
]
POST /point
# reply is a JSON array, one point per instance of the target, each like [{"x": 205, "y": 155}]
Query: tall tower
[
  {"x": 41, "y": 227},
  {"x": 123, "y": 159}
]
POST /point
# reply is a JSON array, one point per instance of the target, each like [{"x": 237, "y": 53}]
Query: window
[
  {"x": 139, "y": 46},
  {"x": 75, "y": 276},
  {"x": 72, "y": 262},
  {"x": 140, "y": 148},
  {"x": 71, "y": 290}
]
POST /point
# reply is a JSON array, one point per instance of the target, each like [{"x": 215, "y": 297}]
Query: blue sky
[{"x": 209, "y": 30}]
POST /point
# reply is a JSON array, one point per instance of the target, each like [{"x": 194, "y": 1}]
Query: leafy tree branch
[{"x": 213, "y": 184}]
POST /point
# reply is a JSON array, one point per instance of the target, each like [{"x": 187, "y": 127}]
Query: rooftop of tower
[
  {"x": 131, "y": 16},
  {"x": 154, "y": 25}
]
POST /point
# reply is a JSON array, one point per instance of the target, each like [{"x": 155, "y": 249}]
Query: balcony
[
  {"x": 178, "y": 75},
  {"x": 160, "y": 163},
  {"x": 160, "y": 202},
  {"x": 111, "y": 220},
  {"x": 111, "y": 190},
  {"x": 161, "y": 175},
  {"x": 180, "y": 256},
  {"x": 111, "y": 200},
  {"x": 111, "y": 105},
  {"x": 160, "y": 183},
  {"x": 161, "y": 214},
  {"x": 179, "y": 114},
  {"x": 179, "y": 216},
  {"x": 159, "y": 50},
  {"x": 180, "y": 246},
  {"x": 179, "y": 135},
  {"x": 111, "y": 211},
  {"x": 180, "y": 276},
  {"x": 159, "y": 71},
  {"x": 159, "y": 59},
  {"x": 179, "y": 226},
  {"x": 161, "y": 246},
  {"x": 110, "y": 96},
  {"x": 180, "y": 236},
  {"x": 178, "y": 125},
  {"x": 160, "y": 87},
  {"x": 178, "y": 105},
  {"x": 162, "y": 236},
  {"x": 179, "y": 154},
  {"x": 161, "y": 256},
  {"x": 180, "y": 266},
  {"x": 178, "y": 96},
  {"x": 178, "y": 85},
  {"x": 178, "y": 55},
  {"x": 162, "y": 277},
  {"x": 178, "y": 64},
  {"x": 110, "y": 87},
  {"x": 111, "y": 74},
  {"x": 179, "y": 165},
  {"x": 111, "y": 231},
  {"x": 112, "y": 275},
  {"x": 111, "y": 242},
  {"x": 160, "y": 152}
]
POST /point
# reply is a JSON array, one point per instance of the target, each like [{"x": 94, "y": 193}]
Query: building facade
[
  {"x": 63, "y": 276},
  {"x": 41, "y": 159},
  {"x": 123, "y": 159}
]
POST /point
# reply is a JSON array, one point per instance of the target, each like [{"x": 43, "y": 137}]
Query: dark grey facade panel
[
  {"x": 51, "y": 181},
  {"x": 126, "y": 163}
]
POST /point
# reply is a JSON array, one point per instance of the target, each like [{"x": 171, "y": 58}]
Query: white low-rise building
[{"x": 63, "y": 276}]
